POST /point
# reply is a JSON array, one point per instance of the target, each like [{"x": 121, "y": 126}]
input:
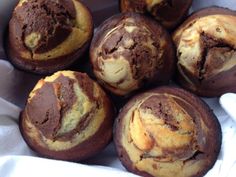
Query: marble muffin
[
  {"x": 67, "y": 116},
  {"x": 48, "y": 35},
  {"x": 167, "y": 132},
  {"x": 130, "y": 51},
  {"x": 168, "y": 12},
  {"x": 206, "y": 44}
]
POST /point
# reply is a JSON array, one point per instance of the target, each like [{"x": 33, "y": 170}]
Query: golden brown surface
[
  {"x": 47, "y": 36},
  {"x": 220, "y": 27},
  {"x": 129, "y": 50},
  {"x": 164, "y": 133},
  {"x": 82, "y": 114},
  {"x": 206, "y": 53},
  {"x": 117, "y": 71},
  {"x": 77, "y": 38}
]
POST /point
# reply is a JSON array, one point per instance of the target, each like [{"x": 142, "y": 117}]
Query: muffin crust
[
  {"x": 167, "y": 132},
  {"x": 206, "y": 52},
  {"x": 129, "y": 51},
  {"x": 65, "y": 115},
  {"x": 45, "y": 36}
]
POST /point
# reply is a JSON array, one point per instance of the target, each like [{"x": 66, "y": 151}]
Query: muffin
[
  {"x": 167, "y": 132},
  {"x": 46, "y": 36},
  {"x": 67, "y": 116},
  {"x": 130, "y": 51},
  {"x": 168, "y": 13},
  {"x": 206, "y": 44}
]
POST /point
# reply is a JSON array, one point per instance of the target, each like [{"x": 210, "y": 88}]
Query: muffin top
[
  {"x": 168, "y": 12},
  {"x": 47, "y": 29},
  {"x": 128, "y": 50},
  {"x": 63, "y": 111},
  {"x": 167, "y": 132},
  {"x": 209, "y": 40},
  {"x": 206, "y": 45}
]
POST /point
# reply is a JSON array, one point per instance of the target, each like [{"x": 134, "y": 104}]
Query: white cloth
[{"x": 16, "y": 159}]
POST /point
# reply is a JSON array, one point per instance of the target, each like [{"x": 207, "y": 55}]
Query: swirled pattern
[
  {"x": 206, "y": 46},
  {"x": 130, "y": 50},
  {"x": 167, "y": 132},
  {"x": 42, "y": 34},
  {"x": 65, "y": 111}
]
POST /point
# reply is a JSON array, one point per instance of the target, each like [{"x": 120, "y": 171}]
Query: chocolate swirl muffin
[
  {"x": 48, "y": 35},
  {"x": 168, "y": 12},
  {"x": 67, "y": 116},
  {"x": 206, "y": 45},
  {"x": 130, "y": 51},
  {"x": 167, "y": 132}
]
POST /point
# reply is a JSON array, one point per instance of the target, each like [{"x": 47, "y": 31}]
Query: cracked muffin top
[
  {"x": 65, "y": 113},
  {"x": 45, "y": 24},
  {"x": 130, "y": 50},
  {"x": 167, "y": 132},
  {"x": 45, "y": 30},
  {"x": 206, "y": 52}
]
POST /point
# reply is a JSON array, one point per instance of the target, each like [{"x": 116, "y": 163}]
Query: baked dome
[
  {"x": 67, "y": 116},
  {"x": 130, "y": 51},
  {"x": 48, "y": 35},
  {"x": 167, "y": 132},
  {"x": 206, "y": 45}
]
